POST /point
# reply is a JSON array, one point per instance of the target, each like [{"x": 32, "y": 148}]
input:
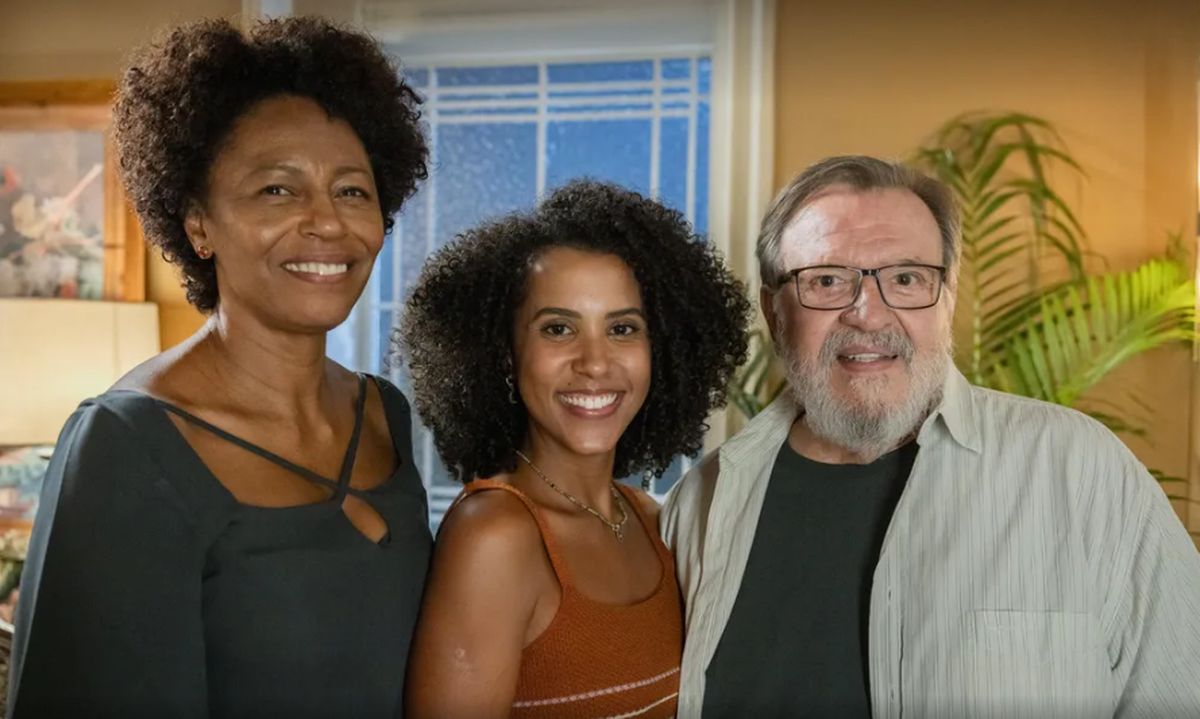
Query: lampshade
[{"x": 56, "y": 353}]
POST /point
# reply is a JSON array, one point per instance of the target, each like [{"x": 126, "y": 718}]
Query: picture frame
[{"x": 66, "y": 229}]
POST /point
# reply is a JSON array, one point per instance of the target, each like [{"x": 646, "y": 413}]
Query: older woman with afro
[
  {"x": 237, "y": 528},
  {"x": 551, "y": 354}
]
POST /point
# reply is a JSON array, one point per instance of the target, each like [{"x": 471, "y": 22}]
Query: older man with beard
[{"x": 887, "y": 540}]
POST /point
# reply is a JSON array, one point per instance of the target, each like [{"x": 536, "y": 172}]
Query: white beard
[{"x": 866, "y": 423}]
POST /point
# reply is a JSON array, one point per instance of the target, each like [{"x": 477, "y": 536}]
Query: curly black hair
[
  {"x": 456, "y": 334},
  {"x": 181, "y": 95}
]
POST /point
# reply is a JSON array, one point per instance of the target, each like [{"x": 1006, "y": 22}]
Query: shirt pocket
[{"x": 1036, "y": 664}]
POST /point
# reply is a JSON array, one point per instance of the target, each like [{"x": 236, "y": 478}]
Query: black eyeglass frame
[{"x": 790, "y": 278}]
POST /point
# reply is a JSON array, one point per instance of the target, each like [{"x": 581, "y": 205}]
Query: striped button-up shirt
[{"x": 1032, "y": 568}]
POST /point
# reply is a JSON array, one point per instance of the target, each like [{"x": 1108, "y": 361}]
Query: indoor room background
[{"x": 710, "y": 105}]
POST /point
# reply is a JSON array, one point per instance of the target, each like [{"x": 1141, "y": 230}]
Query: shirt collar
[
  {"x": 955, "y": 414},
  {"x": 763, "y": 434}
]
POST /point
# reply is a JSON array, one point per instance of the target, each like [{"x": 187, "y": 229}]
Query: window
[
  {"x": 538, "y": 91},
  {"x": 503, "y": 133}
]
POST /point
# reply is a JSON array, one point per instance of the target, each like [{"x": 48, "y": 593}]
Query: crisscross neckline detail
[{"x": 341, "y": 486}]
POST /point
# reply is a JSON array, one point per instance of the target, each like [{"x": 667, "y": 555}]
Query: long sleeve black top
[{"x": 150, "y": 591}]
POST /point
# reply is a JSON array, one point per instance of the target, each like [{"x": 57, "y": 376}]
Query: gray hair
[{"x": 861, "y": 173}]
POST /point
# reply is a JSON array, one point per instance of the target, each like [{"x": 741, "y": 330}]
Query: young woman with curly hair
[
  {"x": 550, "y": 354},
  {"x": 237, "y": 528}
]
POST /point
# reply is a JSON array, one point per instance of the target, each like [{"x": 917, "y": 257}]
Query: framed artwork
[{"x": 65, "y": 227}]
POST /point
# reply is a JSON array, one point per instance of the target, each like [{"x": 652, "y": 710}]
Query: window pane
[
  {"x": 677, "y": 69},
  {"x": 502, "y": 75},
  {"x": 482, "y": 170},
  {"x": 417, "y": 77},
  {"x": 614, "y": 150},
  {"x": 411, "y": 237},
  {"x": 673, "y": 162},
  {"x": 704, "y": 66},
  {"x": 340, "y": 345},
  {"x": 624, "y": 92},
  {"x": 700, "y": 211},
  {"x": 601, "y": 71},
  {"x": 384, "y": 332},
  {"x": 385, "y": 269},
  {"x": 445, "y": 97}
]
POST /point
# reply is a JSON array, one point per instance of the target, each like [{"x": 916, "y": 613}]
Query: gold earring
[{"x": 203, "y": 252}]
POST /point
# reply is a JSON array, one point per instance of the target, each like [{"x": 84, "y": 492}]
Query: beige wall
[
  {"x": 56, "y": 39},
  {"x": 1118, "y": 78},
  {"x": 70, "y": 40}
]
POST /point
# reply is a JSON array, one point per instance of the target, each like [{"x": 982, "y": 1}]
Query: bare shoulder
[
  {"x": 149, "y": 377},
  {"x": 489, "y": 562},
  {"x": 165, "y": 375},
  {"x": 490, "y": 525}
]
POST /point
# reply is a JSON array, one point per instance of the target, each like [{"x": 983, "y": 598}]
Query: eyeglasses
[{"x": 834, "y": 287}]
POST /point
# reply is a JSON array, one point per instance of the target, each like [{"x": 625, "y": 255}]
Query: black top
[
  {"x": 150, "y": 591},
  {"x": 796, "y": 642}
]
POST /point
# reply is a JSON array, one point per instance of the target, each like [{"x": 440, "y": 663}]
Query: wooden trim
[
  {"x": 133, "y": 283},
  {"x": 53, "y": 117},
  {"x": 125, "y": 258},
  {"x": 57, "y": 93}
]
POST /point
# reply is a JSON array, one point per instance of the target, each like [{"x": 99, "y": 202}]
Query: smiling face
[
  {"x": 581, "y": 352},
  {"x": 868, "y": 374},
  {"x": 291, "y": 216}
]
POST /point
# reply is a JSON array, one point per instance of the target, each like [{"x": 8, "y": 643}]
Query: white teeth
[
  {"x": 590, "y": 401},
  {"x": 318, "y": 268},
  {"x": 869, "y": 357}
]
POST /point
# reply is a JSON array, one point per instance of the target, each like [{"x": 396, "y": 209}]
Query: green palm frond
[
  {"x": 1080, "y": 333},
  {"x": 1011, "y": 221},
  {"x": 1038, "y": 324}
]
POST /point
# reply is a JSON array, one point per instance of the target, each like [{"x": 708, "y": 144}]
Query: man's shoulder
[
  {"x": 709, "y": 463},
  {"x": 1078, "y": 445},
  {"x": 746, "y": 455},
  {"x": 697, "y": 481},
  {"x": 1008, "y": 416}
]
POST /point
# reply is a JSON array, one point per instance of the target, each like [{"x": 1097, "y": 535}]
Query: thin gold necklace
[{"x": 618, "y": 527}]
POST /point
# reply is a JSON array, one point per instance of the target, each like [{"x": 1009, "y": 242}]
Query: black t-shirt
[{"x": 796, "y": 642}]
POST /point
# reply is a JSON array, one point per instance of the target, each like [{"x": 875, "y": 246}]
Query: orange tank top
[{"x": 597, "y": 659}]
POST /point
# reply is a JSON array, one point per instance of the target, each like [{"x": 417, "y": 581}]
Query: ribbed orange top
[{"x": 597, "y": 659}]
